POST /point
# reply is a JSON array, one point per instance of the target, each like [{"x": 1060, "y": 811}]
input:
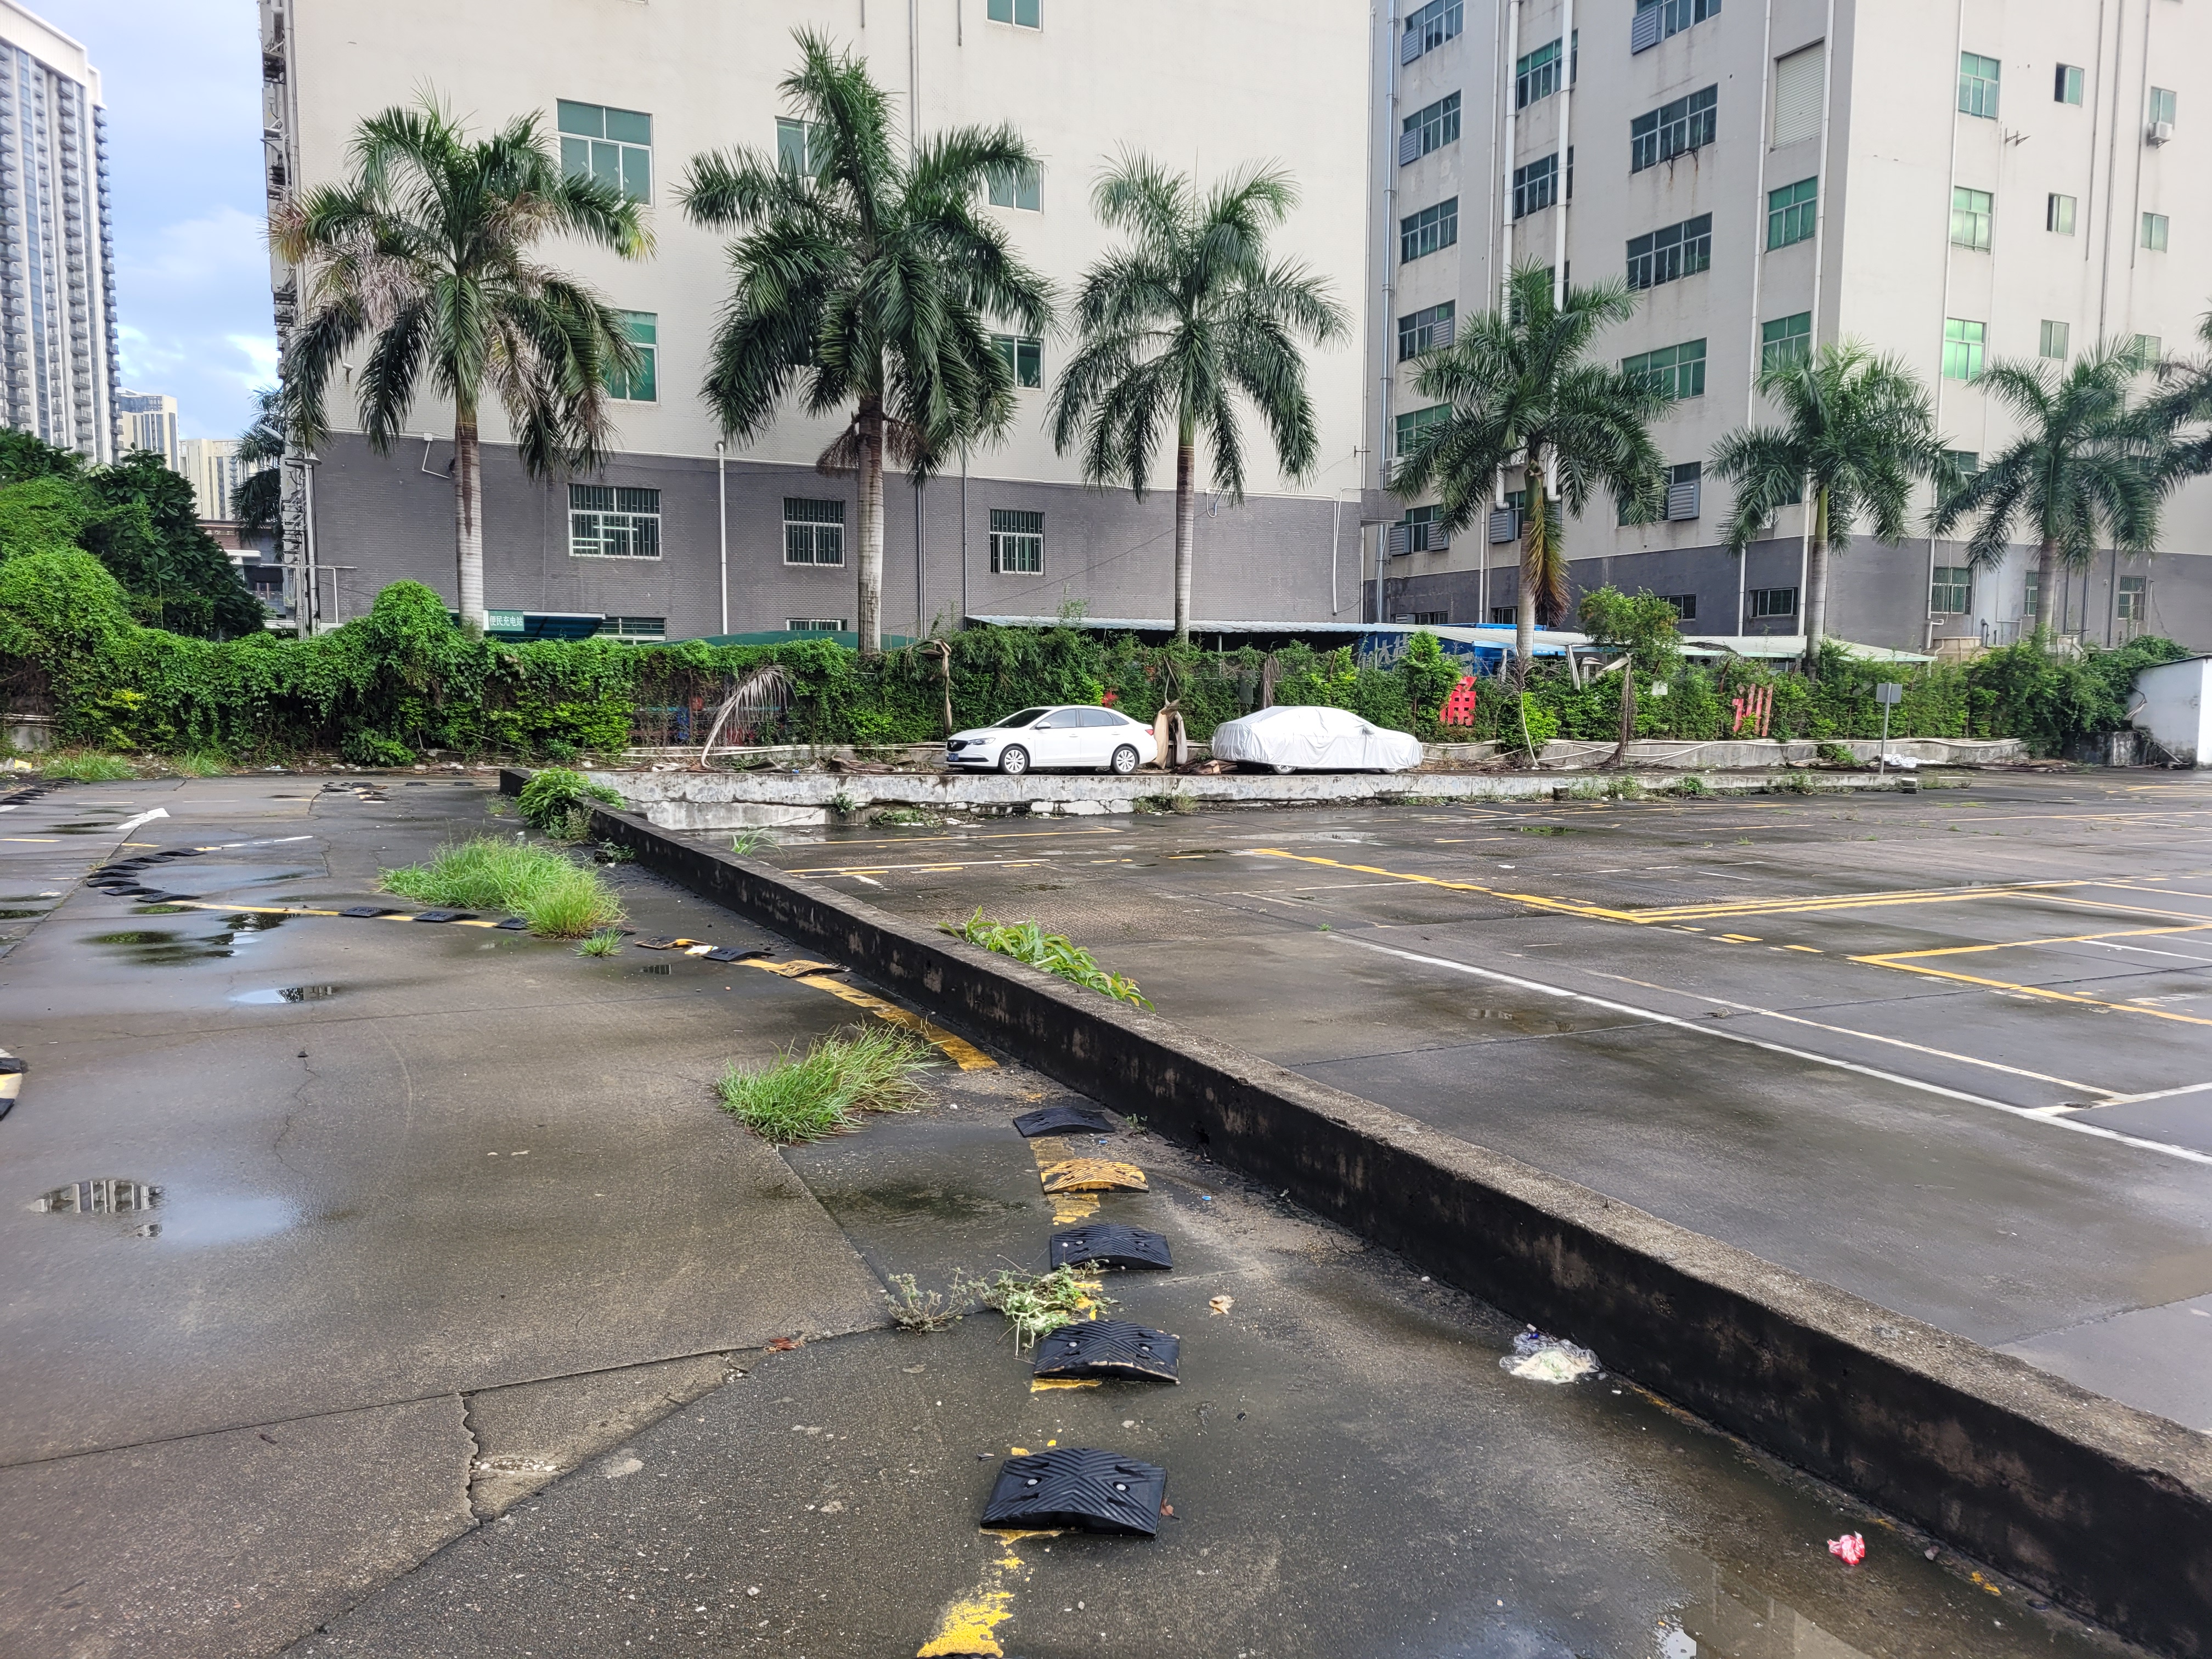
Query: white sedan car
[{"x": 1070, "y": 735}]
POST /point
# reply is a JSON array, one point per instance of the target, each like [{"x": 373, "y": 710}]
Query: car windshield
[{"x": 1027, "y": 717}]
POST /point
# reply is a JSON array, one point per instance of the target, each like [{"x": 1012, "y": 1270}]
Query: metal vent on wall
[
  {"x": 1644, "y": 31},
  {"x": 1504, "y": 526},
  {"x": 1409, "y": 147}
]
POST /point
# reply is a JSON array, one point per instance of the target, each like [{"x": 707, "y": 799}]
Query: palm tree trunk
[
  {"x": 468, "y": 517},
  {"x": 1534, "y": 527},
  {"x": 868, "y": 617},
  {"x": 1186, "y": 522},
  {"x": 2050, "y": 592},
  {"x": 1816, "y": 582}
]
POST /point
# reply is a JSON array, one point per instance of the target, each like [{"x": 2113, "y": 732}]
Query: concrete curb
[{"x": 2102, "y": 1506}]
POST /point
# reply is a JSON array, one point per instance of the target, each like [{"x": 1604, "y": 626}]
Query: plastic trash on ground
[
  {"x": 1902, "y": 763},
  {"x": 1850, "y": 1549},
  {"x": 1539, "y": 1358}
]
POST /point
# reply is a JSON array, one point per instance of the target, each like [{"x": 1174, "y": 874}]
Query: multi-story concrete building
[
  {"x": 1952, "y": 181},
  {"x": 216, "y": 472},
  {"x": 57, "y": 336},
  {"x": 149, "y": 422},
  {"x": 638, "y": 90}
]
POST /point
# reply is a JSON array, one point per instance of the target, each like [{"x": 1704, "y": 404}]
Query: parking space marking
[
  {"x": 2007, "y": 985},
  {"x": 2038, "y": 1114},
  {"x": 1892, "y": 956},
  {"x": 911, "y": 869},
  {"x": 961, "y": 1051}
]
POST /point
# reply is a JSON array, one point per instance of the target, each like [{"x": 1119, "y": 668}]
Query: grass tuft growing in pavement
[
  {"x": 202, "y": 763},
  {"x": 557, "y": 802},
  {"x": 746, "y": 842},
  {"x": 825, "y": 1090},
  {"x": 558, "y": 897},
  {"x": 1038, "y": 1306},
  {"x": 914, "y": 1309},
  {"x": 1027, "y": 941},
  {"x": 86, "y": 767},
  {"x": 600, "y": 944}
]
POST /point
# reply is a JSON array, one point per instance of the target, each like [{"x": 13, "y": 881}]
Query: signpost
[{"x": 1888, "y": 694}]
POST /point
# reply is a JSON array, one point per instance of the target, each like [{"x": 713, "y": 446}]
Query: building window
[
  {"x": 813, "y": 531},
  {"x": 1785, "y": 340},
  {"x": 606, "y": 521},
  {"x": 1432, "y": 619},
  {"x": 632, "y": 629},
  {"x": 1800, "y": 95},
  {"x": 2132, "y": 602},
  {"x": 1021, "y": 188},
  {"x": 2056, "y": 338},
  {"x": 2030, "y": 597},
  {"x": 643, "y": 386},
  {"x": 1679, "y": 371},
  {"x": 1535, "y": 185},
  {"x": 1684, "y": 488},
  {"x": 2066, "y": 85},
  {"x": 2146, "y": 349},
  {"x": 2058, "y": 214},
  {"x": 1415, "y": 422},
  {"x": 1024, "y": 357},
  {"x": 2154, "y": 232},
  {"x": 1953, "y": 592},
  {"x": 1671, "y": 254},
  {"x": 1418, "y": 532},
  {"x": 614, "y": 146},
  {"x": 1429, "y": 129},
  {"x": 1424, "y": 330},
  {"x": 1773, "y": 601},
  {"x": 1972, "y": 210},
  {"x": 797, "y": 148},
  {"x": 1673, "y": 129},
  {"x": 1536, "y": 75},
  {"x": 1428, "y": 231},
  {"x": 1430, "y": 27},
  {"x": 816, "y": 624},
  {"x": 1686, "y": 606},
  {"x": 1017, "y": 543},
  {"x": 2164, "y": 105},
  {"x": 1963, "y": 462},
  {"x": 1791, "y": 213},
  {"x": 1655, "y": 20},
  {"x": 1962, "y": 348},
  {"x": 1021, "y": 14},
  {"x": 1977, "y": 85}
]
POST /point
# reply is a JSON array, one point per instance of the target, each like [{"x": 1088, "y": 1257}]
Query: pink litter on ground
[{"x": 1850, "y": 1549}]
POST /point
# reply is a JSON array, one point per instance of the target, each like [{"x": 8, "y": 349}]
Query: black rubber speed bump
[
  {"x": 446, "y": 916},
  {"x": 1108, "y": 1347},
  {"x": 368, "y": 910},
  {"x": 11, "y": 1067},
  {"x": 515, "y": 924},
  {"x": 1076, "y": 1488},
  {"x": 1111, "y": 1244},
  {"x": 731, "y": 953},
  {"x": 1062, "y": 1119},
  {"x": 658, "y": 944}
]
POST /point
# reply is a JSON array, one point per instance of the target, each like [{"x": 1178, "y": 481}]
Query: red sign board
[{"x": 1459, "y": 707}]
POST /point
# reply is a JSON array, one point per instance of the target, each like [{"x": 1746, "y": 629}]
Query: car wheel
[
  {"x": 1125, "y": 761},
  {"x": 1281, "y": 771},
  {"x": 1014, "y": 760}
]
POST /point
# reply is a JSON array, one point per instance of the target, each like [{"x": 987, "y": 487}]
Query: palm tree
[
  {"x": 2086, "y": 465},
  {"x": 869, "y": 282},
  {"x": 1178, "y": 326},
  {"x": 1520, "y": 391},
  {"x": 258, "y": 501},
  {"x": 425, "y": 252},
  {"x": 1857, "y": 434},
  {"x": 2181, "y": 411}
]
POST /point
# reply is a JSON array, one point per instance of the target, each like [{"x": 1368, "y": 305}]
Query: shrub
[
  {"x": 86, "y": 769},
  {"x": 825, "y": 1090},
  {"x": 558, "y": 897},
  {"x": 1055, "y": 953},
  {"x": 549, "y": 802},
  {"x": 374, "y": 749}
]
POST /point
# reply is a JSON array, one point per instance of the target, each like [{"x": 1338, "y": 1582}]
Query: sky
[{"x": 181, "y": 79}]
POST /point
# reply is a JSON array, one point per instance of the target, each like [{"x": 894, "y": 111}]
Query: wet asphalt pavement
[
  {"x": 452, "y": 1336},
  {"x": 1951, "y": 1051}
]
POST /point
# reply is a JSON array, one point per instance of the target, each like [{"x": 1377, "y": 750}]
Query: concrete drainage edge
[{"x": 2102, "y": 1506}]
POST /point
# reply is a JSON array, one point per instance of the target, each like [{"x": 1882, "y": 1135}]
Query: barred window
[
  {"x": 1673, "y": 129},
  {"x": 1017, "y": 543},
  {"x": 813, "y": 531},
  {"x": 633, "y": 628},
  {"x": 610, "y": 521},
  {"x": 1667, "y": 255},
  {"x": 1679, "y": 371},
  {"x": 1429, "y": 231}
]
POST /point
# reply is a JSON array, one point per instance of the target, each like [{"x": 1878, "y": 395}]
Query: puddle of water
[
  {"x": 286, "y": 994},
  {"x": 151, "y": 947},
  {"x": 106, "y": 1195}
]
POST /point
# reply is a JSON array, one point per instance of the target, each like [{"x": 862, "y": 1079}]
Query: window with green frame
[
  {"x": 1785, "y": 340},
  {"x": 2066, "y": 86},
  {"x": 1963, "y": 343},
  {"x": 797, "y": 149},
  {"x": 643, "y": 387},
  {"x": 1536, "y": 75},
  {"x": 614, "y": 146},
  {"x": 1429, "y": 231},
  {"x": 1792, "y": 212},
  {"x": 1415, "y": 422},
  {"x": 2154, "y": 232},
  {"x": 1023, "y": 355},
  {"x": 2132, "y": 602},
  {"x": 2146, "y": 349},
  {"x": 1952, "y": 592},
  {"x": 1021, "y": 188},
  {"x": 1424, "y": 532},
  {"x": 1977, "y": 85},
  {"x": 1679, "y": 371},
  {"x": 1972, "y": 213},
  {"x": 1021, "y": 14},
  {"x": 1432, "y": 128},
  {"x": 1017, "y": 543},
  {"x": 1421, "y": 331},
  {"x": 2056, "y": 339}
]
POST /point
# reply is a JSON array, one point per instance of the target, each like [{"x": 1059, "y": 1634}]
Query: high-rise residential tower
[
  {"x": 148, "y": 421},
  {"x": 59, "y": 365},
  {"x": 1950, "y": 181}
]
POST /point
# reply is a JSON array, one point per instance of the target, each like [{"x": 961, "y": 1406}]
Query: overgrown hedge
[{"x": 404, "y": 678}]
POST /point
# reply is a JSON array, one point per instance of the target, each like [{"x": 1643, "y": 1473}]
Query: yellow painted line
[
  {"x": 1564, "y": 906},
  {"x": 1741, "y": 938},
  {"x": 1066, "y": 1207},
  {"x": 1892, "y": 958},
  {"x": 2031, "y": 990},
  {"x": 891, "y": 869},
  {"x": 961, "y": 1051},
  {"x": 1047, "y": 1384},
  {"x": 1092, "y": 1174},
  {"x": 34, "y": 841},
  {"x": 1807, "y": 949}
]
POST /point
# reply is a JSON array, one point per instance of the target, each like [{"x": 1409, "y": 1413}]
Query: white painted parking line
[
  {"x": 2031, "y": 1114},
  {"x": 2157, "y": 1094}
]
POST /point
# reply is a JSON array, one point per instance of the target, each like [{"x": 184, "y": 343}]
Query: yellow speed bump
[{"x": 1092, "y": 1174}]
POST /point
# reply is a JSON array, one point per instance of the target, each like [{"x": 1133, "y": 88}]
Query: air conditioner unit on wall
[{"x": 2160, "y": 132}]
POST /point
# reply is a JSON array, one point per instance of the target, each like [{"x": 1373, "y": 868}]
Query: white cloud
[{"x": 193, "y": 297}]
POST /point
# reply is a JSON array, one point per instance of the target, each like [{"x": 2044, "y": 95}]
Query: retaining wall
[{"x": 2102, "y": 1506}]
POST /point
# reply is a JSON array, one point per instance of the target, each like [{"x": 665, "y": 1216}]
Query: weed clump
[
  {"x": 915, "y": 1309},
  {"x": 559, "y": 898},
  {"x": 600, "y": 944},
  {"x": 1691, "y": 784},
  {"x": 85, "y": 767},
  {"x": 1177, "y": 801},
  {"x": 1038, "y": 1306},
  {"x": 1027, "y": 941},
  {"x": 825, "y": 1090},
  {"x": 757, "y": 839},
  {"x": 555, "y": 802}
]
